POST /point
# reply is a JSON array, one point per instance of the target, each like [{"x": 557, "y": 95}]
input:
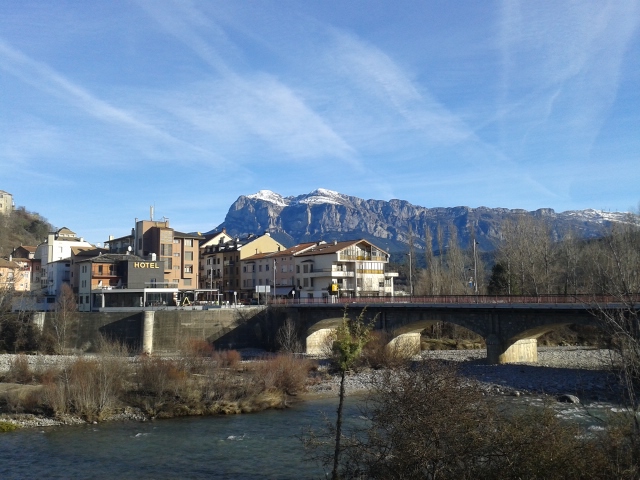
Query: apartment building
[
  {"x": 222, "y": 262},
  {"x": 55, "y": 259},
  {"x": 9, "y": 272},
  {"x": 348, "y": 269},
  {"x": 177, "y": 253},
  {"x": 275, "y": 268},
  {"x": 26, "y": 255},
  {"x": 78, "y": 254}
]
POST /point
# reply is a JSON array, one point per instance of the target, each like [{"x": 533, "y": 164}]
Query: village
[{"x": 155, "y": 266}]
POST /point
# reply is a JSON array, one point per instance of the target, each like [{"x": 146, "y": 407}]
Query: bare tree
[
  {"x": 64, "y": 318},
  {"x": 288, "y": 337}
]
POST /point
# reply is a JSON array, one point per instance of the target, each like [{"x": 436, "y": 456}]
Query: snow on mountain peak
[
  {"x": 269, "y": 196},
  {"x": 322, "y": 195}
]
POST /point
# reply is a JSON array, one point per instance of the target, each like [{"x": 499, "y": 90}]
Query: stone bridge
[
  {"x": 510, "y": 326},
  {"x": 509, "y": 330}
]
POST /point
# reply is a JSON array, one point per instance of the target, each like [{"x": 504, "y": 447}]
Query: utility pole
[
  {"x": 475, "y": 268},
  {"x": 410, "y": 275}
]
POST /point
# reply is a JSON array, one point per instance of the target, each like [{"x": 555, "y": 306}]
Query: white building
[
  {"x": 55, "y": 257},
  {"x": 348, "y": 269}
]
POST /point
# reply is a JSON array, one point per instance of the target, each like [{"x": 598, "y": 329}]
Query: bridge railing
[{"x": 455, "y": 299}]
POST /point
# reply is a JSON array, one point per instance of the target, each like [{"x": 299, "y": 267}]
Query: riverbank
[{"x": 582, "y": 372}]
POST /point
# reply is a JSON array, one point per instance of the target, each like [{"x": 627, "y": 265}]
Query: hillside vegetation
[{"x": 22, "y": 228}]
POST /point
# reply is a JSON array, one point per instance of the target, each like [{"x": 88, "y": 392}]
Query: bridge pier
[
  {"x": 406, "y": 343},
  {"x": 147, "y": 332},
  {"x": 521, "y": 351},
  {"x": 318, "y": 342}
]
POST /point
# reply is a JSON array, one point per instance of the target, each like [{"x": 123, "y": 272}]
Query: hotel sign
[{"x": 145, "y": 265}]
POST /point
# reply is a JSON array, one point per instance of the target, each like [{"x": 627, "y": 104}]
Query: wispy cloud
[
  {"x": 41, "y": 76},
  {"x": 561, "y": 66},
  {"x": 377, "y": 76},
  {"x": 253, "y": 105}
]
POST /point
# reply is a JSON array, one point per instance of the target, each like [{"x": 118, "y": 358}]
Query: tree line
[{"x": 530, "y": 260}]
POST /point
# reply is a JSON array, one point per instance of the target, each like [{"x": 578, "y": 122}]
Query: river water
[{"x": 252, "y": 446}]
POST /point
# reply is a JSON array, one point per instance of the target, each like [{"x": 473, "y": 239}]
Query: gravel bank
[{"x": 579, "y": 371}]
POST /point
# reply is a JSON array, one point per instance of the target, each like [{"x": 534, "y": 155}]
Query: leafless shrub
[
  {"x": 286, "y": 373},
  {"x": 288, "y": 338},
  {"x": 427, "y": 422},
  {"x": 19, "y": 370},
  {"x": 227, "y": 358},
  {"x": 89, "y": 388}
]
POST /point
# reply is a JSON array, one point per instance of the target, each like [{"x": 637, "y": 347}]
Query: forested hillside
[{"x": 22, "y": 228}]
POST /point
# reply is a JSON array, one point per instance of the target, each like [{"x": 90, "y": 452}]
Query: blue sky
[{"x": 107, "y": 108}]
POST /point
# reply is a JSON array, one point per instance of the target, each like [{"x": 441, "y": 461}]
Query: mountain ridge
[{"x": 329, "y": 215}]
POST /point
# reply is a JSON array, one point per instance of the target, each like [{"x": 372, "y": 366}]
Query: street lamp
[{"x": 274, "y": 281}]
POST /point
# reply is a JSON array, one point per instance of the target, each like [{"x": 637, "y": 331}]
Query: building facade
[
  {"x": 6, "y": 203},
  {"x": 222, "y": 262},
  {"x": 177, "y": 253},
  {"x": 121, "y": 281},
  {"x": 55, "y": 259},
  {"x": 346, "y": 269}
]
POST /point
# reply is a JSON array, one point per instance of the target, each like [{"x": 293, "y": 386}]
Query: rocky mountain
[{"x": 328, "y": 215}]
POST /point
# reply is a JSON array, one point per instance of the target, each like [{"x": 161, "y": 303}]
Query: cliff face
[{"x": 327, "y": 215}]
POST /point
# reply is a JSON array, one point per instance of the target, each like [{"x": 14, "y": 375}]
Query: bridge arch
[{"x": 510, "y": 331}]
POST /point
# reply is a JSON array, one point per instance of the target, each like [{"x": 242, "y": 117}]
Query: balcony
[
  {"x": 364, "y": 258},
  {"x": 330, "y": 272}
]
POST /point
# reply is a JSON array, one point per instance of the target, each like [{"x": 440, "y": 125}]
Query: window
[
  {"x": 188, "y": 269},
  {"x": 305, "y": 268},
  {"x": 176, "y": 254},
  {"x": 188, "y": 242},
  {"x": 188, "y": 256},
  {"x": 187, "y": 282},
  {"x": 166, "y": 250},
  {"x": 259, "y": 268},
  {"x": 266, "y": 267},
  {"x": 169, "y": 263},
  {"x": 297, "y": 268},
  {"x": 305, "y": 282},
  {"x": 99, "y": 268}
]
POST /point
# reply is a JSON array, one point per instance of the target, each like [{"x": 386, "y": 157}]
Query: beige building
[
  {"x": 275, "y": 268},
  {"x": 222, "y": 262},
  {"x": 6, "y": 203},
  {"x": 25, "y": 254}
]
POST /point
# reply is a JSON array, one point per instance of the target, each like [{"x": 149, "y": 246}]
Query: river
[{"x": 252, "y": 446}]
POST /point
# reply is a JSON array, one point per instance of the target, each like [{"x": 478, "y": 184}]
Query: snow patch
[
  {"x": 269, "y": 196},
  {"x": 322, "y": 196}
]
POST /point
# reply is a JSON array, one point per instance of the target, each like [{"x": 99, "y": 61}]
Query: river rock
[{"x": 567, "y": 398}]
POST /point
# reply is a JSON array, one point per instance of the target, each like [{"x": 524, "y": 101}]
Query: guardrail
[{"x": 463, "y": 299}]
